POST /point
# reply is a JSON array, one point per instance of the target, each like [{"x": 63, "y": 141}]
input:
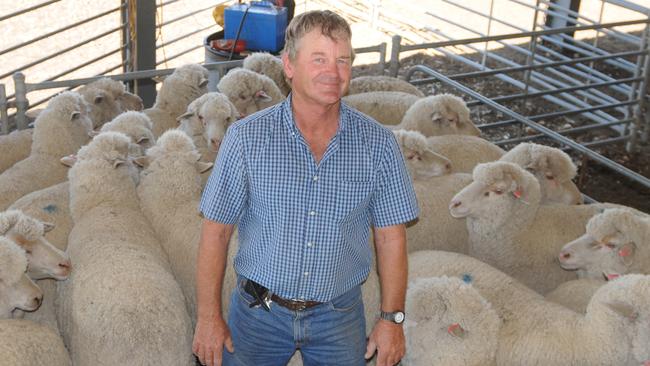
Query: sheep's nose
[
  {"x": 455, "y": 203},
  {"x": 215, "y": 143},
  {"x": 38, "y": 300},
  {"x": 565, "y": 256},
  {"x": 66, "y": 265},
  {"x": 448, "y": 167}
]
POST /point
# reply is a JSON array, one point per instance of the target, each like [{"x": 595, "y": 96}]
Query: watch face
[{"x": 399, "y": 317}]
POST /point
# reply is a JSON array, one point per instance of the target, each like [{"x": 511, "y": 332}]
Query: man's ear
[{"x": 287, "y": 66}]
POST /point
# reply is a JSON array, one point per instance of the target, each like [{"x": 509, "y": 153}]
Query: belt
[
  {"x": 294, "y": 305},
  {"x": 251, "y": 287}
]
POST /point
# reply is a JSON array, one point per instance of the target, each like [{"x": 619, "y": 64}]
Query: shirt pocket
[{"x": 353, "y": 198}]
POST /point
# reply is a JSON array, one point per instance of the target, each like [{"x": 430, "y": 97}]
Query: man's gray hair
[{"x": 331, "y": 25}]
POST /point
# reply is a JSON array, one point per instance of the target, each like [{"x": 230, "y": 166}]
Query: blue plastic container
[{"x": 263, "y": 27}]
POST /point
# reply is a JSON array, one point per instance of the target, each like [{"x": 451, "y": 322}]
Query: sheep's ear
[
  {"x": 203, "y": 83},
  {"x": 610, "y": 276},
  {"x": 48, "y": 226},
  {"x": 69, "y": 160},
  {"x": 184, "y": 115},
  {"x": 261, "y": 95},
  {"x": 436, "y": 116},
  {"x": 158, "y": 78},
  {"x": 142, "y": 140},
  {"x": 623, "y": 309},
  {"x": 74, "y": 115},
  {"x": 99, "y": 98},
  {"x": 117, "y": 162},
  {"x": 203, "y": 167},
  {"x": 626, "y": 253},
  {"x": 93, "y": 133},
  {"x": 141, "y": 161}
]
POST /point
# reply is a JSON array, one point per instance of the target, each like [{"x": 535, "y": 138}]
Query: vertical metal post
[
  {"x": 4, "y": 119},
  {"x": 21, "y": 100},
  {"x": 530, "y": 59},
  {"x": 488, "y": 33},
  {"x": 382, "y": 58},
  {"x": 145, "y": 48},
  {"x": 374, "y": 13},
  {"x": 639, "y": 119},
  {"x": 394, "y": 55}
]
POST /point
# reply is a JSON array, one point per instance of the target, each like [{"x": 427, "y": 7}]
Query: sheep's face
[
  {"x": 448, "y": 322},
  {"x": 321, "y": 70},
  {"x": 23, "y": 294},
  {"x": 479, "y": 199},
  {"x": 592, "y": 256},
  {"x": 554, "y": 190},
  {"x": 215, "y": 120},
  {"x": 44, "y": 259},
  {"x": 425, "y": 164}
]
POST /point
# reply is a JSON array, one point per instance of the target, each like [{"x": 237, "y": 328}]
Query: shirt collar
[{"x": 290, "y": 124}]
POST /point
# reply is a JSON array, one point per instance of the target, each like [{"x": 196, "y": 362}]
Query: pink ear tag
[
  {"x": 518, "y": 194},
  {"x": 612, "y": 276},
  {"x": 456, "y": 330},
  {"x": 624, "y": 252},
  {"x": 646, "y": 363}
]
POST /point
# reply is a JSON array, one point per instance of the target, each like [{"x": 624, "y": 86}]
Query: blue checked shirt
[{"x": 304, "y": 227}]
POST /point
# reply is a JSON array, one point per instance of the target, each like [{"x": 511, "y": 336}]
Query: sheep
[
  {"x": 15, "y": 147},
  {"x": 464, "y": 151},
  {"x": 61, "y": 129},
  {"x": 25, "y": 343},
  {"x": 539, "y": 332},
  {"x": 365, "y": 84},
  {"x": 169, "y": 192},
  {"x": 137, "y": 126},
  {"x": 553, "y": 169},
  {"x": 121, "y": 304},
  {"x": 206, "y": 121},
  {"x": 509, "y": 229},
  {"x": 268, "y": 65},
  {"x": 443, "y": 114},
  {"x": 616, "y": 240},
  {"x": 421, "y": 162},
  {"x": 179, "y": 89},
  {"x": 449, "y": 323},
  {"x": 17, "y": 290},
  {"x": 249, "y": 91},
  {"x": 45, "y": 260},
  {"x": 386, "y": 107},
  {"x": 107, "y": 99},
  {"x": 575, "y": 294}
]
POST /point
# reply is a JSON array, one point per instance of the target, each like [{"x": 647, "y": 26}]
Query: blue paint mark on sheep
[
  {"x": 467, "y": 278},
  {"x": 51, "y": 208}
]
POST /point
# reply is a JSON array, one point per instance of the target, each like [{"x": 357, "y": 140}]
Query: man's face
[{"x": 321, "y": 69}]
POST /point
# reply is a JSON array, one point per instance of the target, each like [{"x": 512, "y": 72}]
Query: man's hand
[
  {"x": 209, "y": 339},
  {"x": 387, "y": 339}
]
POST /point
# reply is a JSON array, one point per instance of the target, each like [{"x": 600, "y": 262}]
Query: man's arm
[
  {"x": 211, "y": 331},
  {"x": 387, "y": 338}
]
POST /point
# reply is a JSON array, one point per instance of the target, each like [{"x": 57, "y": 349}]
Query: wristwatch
[{"x": 396, "y": 317}]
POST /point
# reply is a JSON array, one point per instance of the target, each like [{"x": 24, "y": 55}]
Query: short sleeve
[
  {"x": 225, "y": 193},
  {"x": 394, "y": 200}
]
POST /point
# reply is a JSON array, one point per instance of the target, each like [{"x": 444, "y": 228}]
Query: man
[{"x": 305, "y": 180}]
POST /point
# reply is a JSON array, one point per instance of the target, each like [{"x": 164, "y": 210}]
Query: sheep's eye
[
  {"x": 530, "y": 170},
  {"x": 486, "y": 194},
  {"x": 200, "y": 117},
  {"x": 242, "y": 96},
  {"x": 594, "y": 245},
  {"x": 610, "y": 245},
  {"x": 498, "y": 191},
  {"x": 410, "y": 156},
  {"x": 28, "y": 251},
  {"x": 419, "y": 158},
  {"x": 550, "y": 177}
]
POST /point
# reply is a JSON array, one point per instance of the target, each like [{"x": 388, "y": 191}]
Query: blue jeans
[{"x": 332, "y": 333}]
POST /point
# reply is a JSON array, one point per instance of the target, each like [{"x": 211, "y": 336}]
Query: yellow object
[{"x": 217, "y": 14}]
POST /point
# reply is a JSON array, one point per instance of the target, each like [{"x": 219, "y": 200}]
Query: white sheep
[
  {"x": 509, "y": 229},
  {"x": 553, "y": 169},
  {"x": 137, "y": 126},
  {"x": 249, "y": 91},
  {"x": 449, "y": 323},
  {"x": 25, "y": 343},
  {"x": 437, "y": 115},
  {"x": 539, "y": 332},
  {"x": 179, "y": 89},
  {"x": 365, "y": 84},
  {"x": 206, "y": 120},
  {"x": 434, "y": 186},
  {"x": 17, "y": 290},
  {"x": 107, "y": 99},
  {"x": 15, "y": 147},
  {"x": 121, "y": 303},
  {"x": 575, "y": 294},
  {"x": 464, "y": 151},
  {"x": 61, "y": 129},
  {"x": 266, "y": 64},
  {"x": 169, "y": 192},
  {"x": 616, "y": 241},
  {"x": 386, "y": 107}
]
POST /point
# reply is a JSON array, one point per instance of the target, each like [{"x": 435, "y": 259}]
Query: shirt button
[
  {"x": 315, "y": 178},
  {"x": 306, "y": 273},
  {"x": 312, "y": 213},
  {"x": 310, "y": 244}
]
